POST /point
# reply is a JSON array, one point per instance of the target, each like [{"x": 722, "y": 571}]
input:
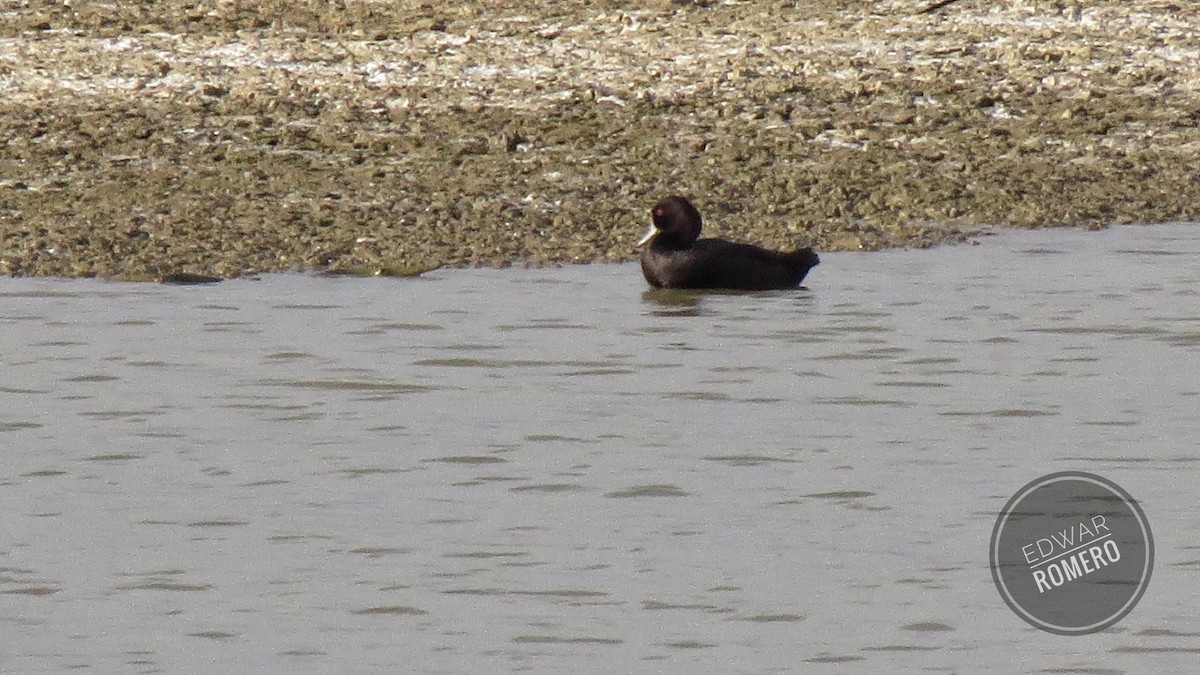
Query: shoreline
[{"x": 166, "y": 138}]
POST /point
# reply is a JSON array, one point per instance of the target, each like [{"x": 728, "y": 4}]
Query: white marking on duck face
[{"x": 648, "y": 236}]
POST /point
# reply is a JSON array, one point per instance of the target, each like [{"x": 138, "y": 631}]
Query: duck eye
[{"x": 658, "y": 213}]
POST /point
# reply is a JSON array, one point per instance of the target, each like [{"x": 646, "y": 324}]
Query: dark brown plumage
[{"x": 678, "y": 258}]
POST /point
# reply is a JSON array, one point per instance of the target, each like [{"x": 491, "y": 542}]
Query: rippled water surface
[{"x": 554, "y": 471}]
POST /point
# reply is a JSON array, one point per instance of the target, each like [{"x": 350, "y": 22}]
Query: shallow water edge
[{"x": 554, "y": 470}]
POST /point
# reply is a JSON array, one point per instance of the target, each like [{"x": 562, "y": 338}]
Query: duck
[{"x": 677, "y": 258}]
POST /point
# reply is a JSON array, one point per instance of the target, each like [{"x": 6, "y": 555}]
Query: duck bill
[{"x": 648, "y": 236}]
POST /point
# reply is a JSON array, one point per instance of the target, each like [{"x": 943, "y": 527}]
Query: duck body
[{"x": 677, "y": 258}]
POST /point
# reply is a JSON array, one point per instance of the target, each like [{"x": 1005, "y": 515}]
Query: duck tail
[{"x": 803, "y": 260}]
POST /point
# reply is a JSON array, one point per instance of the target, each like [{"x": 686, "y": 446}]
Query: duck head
[{"x": 676, "y": 223}]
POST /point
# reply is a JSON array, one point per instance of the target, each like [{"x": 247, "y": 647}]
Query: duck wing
[{"x": 717, "y": 263}]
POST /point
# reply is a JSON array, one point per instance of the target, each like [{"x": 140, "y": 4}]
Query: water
[{"x": 555, "y": 471}]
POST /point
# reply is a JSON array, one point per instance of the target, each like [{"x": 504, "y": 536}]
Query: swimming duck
[{"x": 678, "y": 258}]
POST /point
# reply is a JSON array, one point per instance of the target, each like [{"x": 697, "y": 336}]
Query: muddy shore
[{"x": 228, "y": 137}]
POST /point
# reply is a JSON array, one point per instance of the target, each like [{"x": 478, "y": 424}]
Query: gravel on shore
[{"x": 145, "y": 139}]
